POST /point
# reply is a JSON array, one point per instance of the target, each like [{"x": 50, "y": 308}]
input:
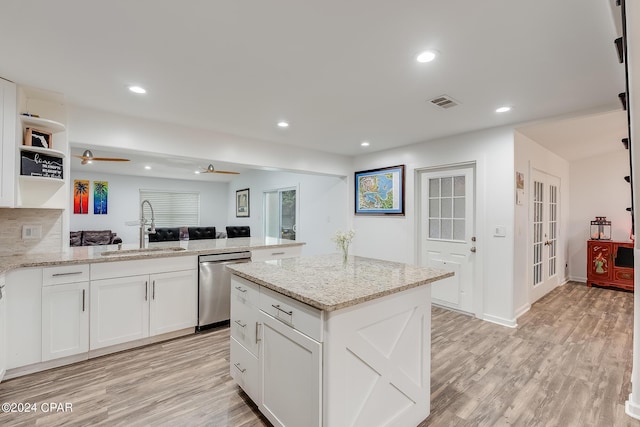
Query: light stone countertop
[
  {"x": 324, "y": 282},
  {"x": 93, "y": 254}
]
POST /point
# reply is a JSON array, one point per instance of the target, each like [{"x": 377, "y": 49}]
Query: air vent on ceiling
[{"x": 444, "y": 101}]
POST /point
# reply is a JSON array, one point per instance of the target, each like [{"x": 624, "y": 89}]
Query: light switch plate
[
  {"x": 500, "y": 231},
  {"x": 30, "y": 232}
]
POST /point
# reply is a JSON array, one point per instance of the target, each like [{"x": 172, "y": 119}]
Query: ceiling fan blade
[
  {"x": 228, "y": 172},
  {"x": 110, "y": 159},
  {"x": 79, "y": 156}
]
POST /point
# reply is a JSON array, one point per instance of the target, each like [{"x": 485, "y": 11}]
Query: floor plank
[{"x": 567, "y": 364}]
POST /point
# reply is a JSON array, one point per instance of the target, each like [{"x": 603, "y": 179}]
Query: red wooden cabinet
[{"x": 610, "y": 264}]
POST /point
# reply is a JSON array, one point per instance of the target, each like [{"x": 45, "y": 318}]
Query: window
[
  {"x": 447, "y": 202},
  {"x": 172, "y": 208},
  {"x": 280, "y": 213}
]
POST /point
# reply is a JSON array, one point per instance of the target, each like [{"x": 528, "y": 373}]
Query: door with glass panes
[
  {"x": 281, "y": 213},
  {"x": 545, "y": 230},
  {"x": 448, "y": 233}
]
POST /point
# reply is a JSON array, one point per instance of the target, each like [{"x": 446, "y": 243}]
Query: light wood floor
[{"x": 568, "y": 364}]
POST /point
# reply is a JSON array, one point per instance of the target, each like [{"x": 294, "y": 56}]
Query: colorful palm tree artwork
[
  {"x": 80, "y": 196},
  {"x": 100, "y": 197}
]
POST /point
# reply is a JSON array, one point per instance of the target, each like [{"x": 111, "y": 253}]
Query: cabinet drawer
[
  {"x": 301, "y": 317},
  {"x": 624, "y": 275},
  {"x": 275, "y": 253},
  {"x": 244, "y": 325},
  {"x": 65, "y": 274},
  {"x": 244, "y": 292},
  {"x": 244, "y": 369}
]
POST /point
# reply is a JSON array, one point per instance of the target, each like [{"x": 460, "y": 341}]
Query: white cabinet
[
  {"x": 65, "y": 320},
  {"x": 65, "y": 311},
  {"x": 268, "y": 254},
  {"x": 137, "y": 306},
  {"x": 8, "y": 118},
  {"x": 174, "y": 301},
  {"x": 273, "y": 357},
  {"x": 291, "y": 368},
  {"x": 244, "y": 367},
  {"x": 24, "y": 317},
  {"x": 3, "y": 330},
  {"x": 119, "y": 310}
]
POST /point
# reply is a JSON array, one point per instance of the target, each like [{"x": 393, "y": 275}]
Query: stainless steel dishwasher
[{"x": 214, "y": 287}]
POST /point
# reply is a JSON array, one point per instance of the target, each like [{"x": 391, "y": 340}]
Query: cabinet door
[
  {"x": 119, "y": 310},
  {"x": 8, "y": 124},
  {"x": 65, "y": 320},
  {"x": 24, "y": 317},
  {"x": 599, "y": 260},
  {"x": 3, "y": 333},
  {"x": 174, "y": 301},
  {"x": 291, "y": 370}
]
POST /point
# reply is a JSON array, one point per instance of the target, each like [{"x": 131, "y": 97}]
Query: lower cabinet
[
  {"x": 291, "y": 371},
  {"x": 24, "y": 317},
  {"x": 273, "y": 357},
  {"x": 65, "y": 320},
  {"x": 130, "y": 308}
]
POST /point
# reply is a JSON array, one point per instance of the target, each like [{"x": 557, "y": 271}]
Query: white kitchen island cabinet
[{"x": 340, "y": 344}]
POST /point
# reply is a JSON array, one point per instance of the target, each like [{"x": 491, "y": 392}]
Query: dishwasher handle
[{"x": 222, "y": 258}]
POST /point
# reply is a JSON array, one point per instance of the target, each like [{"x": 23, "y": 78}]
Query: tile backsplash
[{"x": 11, "y": 222}]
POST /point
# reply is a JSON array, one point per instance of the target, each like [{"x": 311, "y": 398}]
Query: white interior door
[
  {"x": 448, "y": 233},
  {"x": 545, "y": 230}
]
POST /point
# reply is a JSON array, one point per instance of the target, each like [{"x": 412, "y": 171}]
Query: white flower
[{"x": 343, "y": 238}]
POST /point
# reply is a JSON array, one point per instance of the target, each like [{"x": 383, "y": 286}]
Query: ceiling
[{"x": 340, "y": 72}]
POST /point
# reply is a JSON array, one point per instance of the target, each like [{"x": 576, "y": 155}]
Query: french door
[
  {"x": 281, "y": 213},
  {"x": 447, "y": 228},
  {"x": 545, "y": 231}
]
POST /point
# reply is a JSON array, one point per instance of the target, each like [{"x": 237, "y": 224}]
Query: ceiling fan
[
  {"x": 211, "y": 169},
  {"x": 87, "y": 158}
]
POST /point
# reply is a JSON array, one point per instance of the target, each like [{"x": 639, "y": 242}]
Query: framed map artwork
[{"x": 380, "y": 191}]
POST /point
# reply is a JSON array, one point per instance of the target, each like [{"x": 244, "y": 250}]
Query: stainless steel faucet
[{"x": 143, "y": 223}]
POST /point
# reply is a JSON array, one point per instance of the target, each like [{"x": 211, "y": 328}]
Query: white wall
[
  {"x": 322, "y": 199},
  {"x": 598, "y": 188},
  {"x": 395, "y": 238},
  {"x": 124, "y": 203},
  {"x": 528, "y": 156},
  {"x": 94, "y": 127}
]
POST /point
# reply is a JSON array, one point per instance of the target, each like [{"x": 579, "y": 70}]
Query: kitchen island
[{"x": 317, "y": 342}]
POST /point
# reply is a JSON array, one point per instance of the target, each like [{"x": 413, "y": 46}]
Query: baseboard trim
[
  {"x": 43, "y": 366},
  {"x": 139, "y": 343},
  {"x": 577, "y": 279},
  {"x": 500, "y": 321},
  {"x": 632, "y": 409}
]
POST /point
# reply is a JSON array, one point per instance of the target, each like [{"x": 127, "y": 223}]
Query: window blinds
[{"x": 172, "y": 208}]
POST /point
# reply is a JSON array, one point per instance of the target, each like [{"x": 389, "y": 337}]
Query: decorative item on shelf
[
  {"x": 41, "y": 165},
  {"x": 601, "y": 228},
  {"x": 30, "y": 115},
  {"x": 37, "y": 138},
  {"x": 343, "y": 240}
]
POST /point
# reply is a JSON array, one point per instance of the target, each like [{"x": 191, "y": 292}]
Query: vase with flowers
[{"x": 343, "y": 240}]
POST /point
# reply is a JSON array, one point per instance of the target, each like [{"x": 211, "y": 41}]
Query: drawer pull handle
[
  {"x": 83, "y": 299},
  {"x": 240, "y": 324},
  {"x": 146, "y": 290},
  {"x": 277, "y": 307},
  {"x": 237, "y": 365},
  {"x": 257, "y": 336},
  {"x": 277, "y": 253},
  {"x": 241, "y": 289},
  {"x": 73, "y": 273},
  {"x": 1, "y": 292}
]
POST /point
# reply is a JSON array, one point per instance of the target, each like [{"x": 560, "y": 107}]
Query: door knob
[{"x": 473, "y": 249}]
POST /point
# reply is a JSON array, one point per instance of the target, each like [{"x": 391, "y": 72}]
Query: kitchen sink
[{"x": 141, "y": 251}]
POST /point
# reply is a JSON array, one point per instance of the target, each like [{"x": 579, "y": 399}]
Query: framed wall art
[
  {"x": 380, "y": 191},
  {"x": 242, "y": 203}
]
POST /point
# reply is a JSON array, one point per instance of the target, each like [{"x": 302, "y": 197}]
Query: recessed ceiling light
[
  {"x": 283, "y": 124},
  {"x": 197, "y": 172},
  {"x": 147, "y": 167},
  {"x": 365, "y": 143},
  {"x": 427, "y": 56},
  {"x": 503, "y": 109},
  {"x": 137, "y": 89}
]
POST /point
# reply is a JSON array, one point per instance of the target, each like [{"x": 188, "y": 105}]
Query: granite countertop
[
  {"x": 94, "y": 254},
  {"x": 325, "y": 283}
]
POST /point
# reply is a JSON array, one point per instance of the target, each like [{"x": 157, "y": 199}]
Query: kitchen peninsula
[
  {"x": 83, "y": 302},
  {"x": 319, "y": 342}
]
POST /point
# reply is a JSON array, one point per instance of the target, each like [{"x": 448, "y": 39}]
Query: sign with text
[{"x": 38, "y": 164}]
